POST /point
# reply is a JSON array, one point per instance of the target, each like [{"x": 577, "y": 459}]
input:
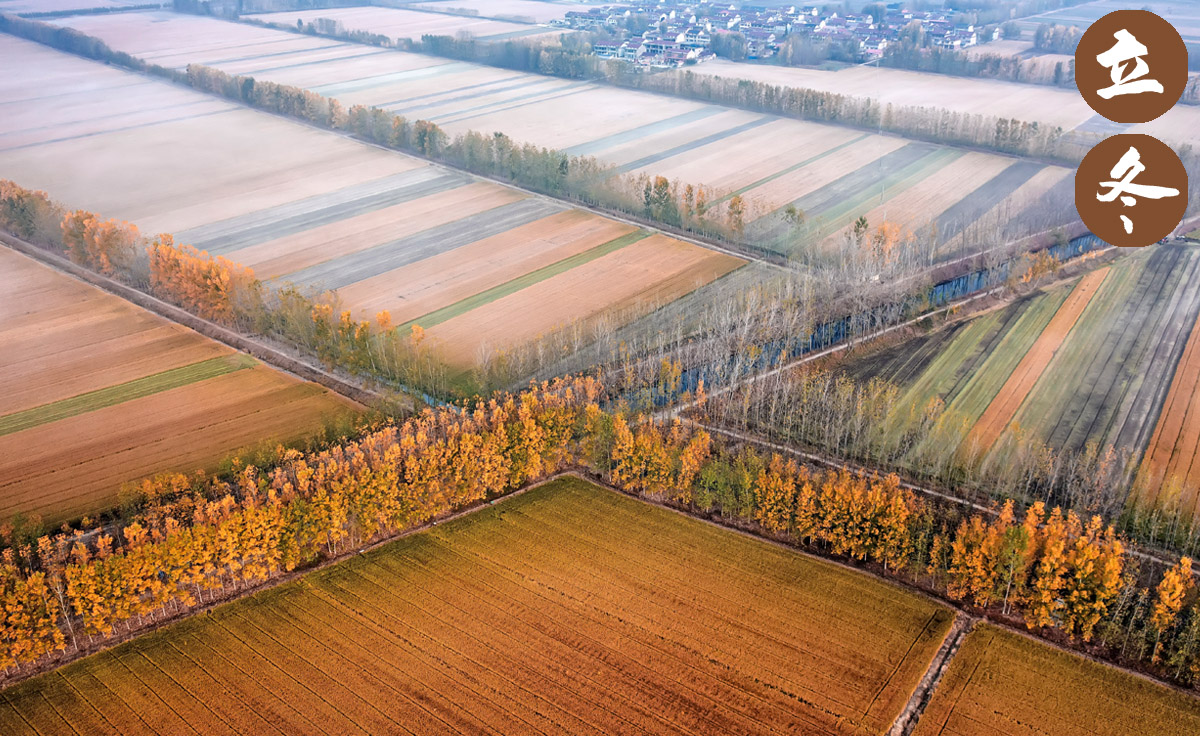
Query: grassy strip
[
  {"x": 1102, "y": 350},
  {"x": 122, "y": 392},
  {"x": 793, "y": 167},
  {"x": 990, "y": 376},
  {"x": 488, "y": 296},
  {"x": 1193, "y": 235}
]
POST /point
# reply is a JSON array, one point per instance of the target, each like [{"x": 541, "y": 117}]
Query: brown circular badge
[
  {"x": 1131, "y": 66},
  {"x": 1131, "y": 190}
]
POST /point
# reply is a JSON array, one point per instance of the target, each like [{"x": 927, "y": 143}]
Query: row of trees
[
  {"x": 571, "y": 58},
  {"x": 190, "y": 540},
  {"x": 580, "y": 178},
  {"x": 1008, "y": 67},
  {"x": 927, "y": 123},
  {"x": 868, "y": 420},
  {"x": 222, "y": 291},
  {"x": 208, "y": 286}
]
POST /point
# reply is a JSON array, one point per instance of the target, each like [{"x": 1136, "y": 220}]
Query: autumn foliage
[
  {"x": 203, "y": 284},
  {"x": 195, "y": 538},
  {"x": 107, "y": 246},
  {"x": 226, "y": 533}
]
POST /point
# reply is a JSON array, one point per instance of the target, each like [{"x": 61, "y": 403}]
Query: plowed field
[
  {"x": 834, "y": 174},
  {"x": 309, "y": 207},
  {"x": 1002, "y": 684},
  {"x": 567, "y": 610},
  {"x": 95, "y": 392}
]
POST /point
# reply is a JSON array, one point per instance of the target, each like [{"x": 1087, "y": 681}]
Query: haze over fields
[
  {"x": 833, "y": 174},
  {"x": 540, "y": 367}
]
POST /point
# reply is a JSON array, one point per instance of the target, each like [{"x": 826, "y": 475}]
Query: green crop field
[
  {"x": 1000, "y": 683},
  {"x": 1108, "y": 382},
  {"x": 569, "y": 609}
]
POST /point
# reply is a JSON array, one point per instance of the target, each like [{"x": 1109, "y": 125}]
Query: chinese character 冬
[
  {"x": 1126, "y": 170},
  {"x": 1126, "y": 49}
]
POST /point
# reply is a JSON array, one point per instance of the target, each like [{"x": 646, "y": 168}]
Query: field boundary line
[
  {"x": 911, "y": 715},
  {"x": 958, "y": 607},
  {"x": 271, "y": 355}
]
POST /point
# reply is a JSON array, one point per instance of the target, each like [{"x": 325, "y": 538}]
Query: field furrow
[
  {"x": 96, "y": 392},
  {"x": 999, "y": 682},
  {"x": 1000, "y": 412},
  {"x": 537, "y": 615}
]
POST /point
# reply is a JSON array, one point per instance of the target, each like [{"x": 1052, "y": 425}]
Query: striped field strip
[{"x": 122, "y": 392}]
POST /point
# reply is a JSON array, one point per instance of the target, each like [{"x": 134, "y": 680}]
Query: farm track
[
  {"x": 911, "y": 716},
  {"x": 1002, "y": 408}
]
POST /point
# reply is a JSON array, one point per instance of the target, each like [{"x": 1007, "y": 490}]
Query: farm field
[
  {"x": 1060, "y": 106},
  {"x": 95, "y": 391},
  {"x": 398, "y": 23},
  {"x": 1004, "y": 47},
  {"x": 567, "y": 610},
  {"x": 1002, "y": 683},
  {"x": 1110, "y": 359},
  {"x": 526, "y": 11},
  {"x": 1184, "y": 15},
  {"x": 57, "y": 6},
  {"x": 833, "y": 174},
  {"x": 386, "y": 231}
]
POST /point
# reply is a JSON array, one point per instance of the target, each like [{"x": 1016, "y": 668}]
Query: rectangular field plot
[
  {"x": 567, "y": 610},
  {"x": 834, "y": 174},
  {"x": 95, "y": 391},
  {"x": 384, "y": 230},
  {"x": 1004, "y": 684},
  {"x": 1106, "y": 360}
]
